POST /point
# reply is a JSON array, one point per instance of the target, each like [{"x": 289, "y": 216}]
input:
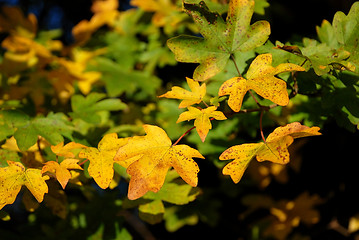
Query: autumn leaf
[
  {"x": 275, "y": 149},
  {"x": 66, "y": 151},
  {"x": 261, "y": 78},
  {"x": 202, "y": 119},
  {"x": 13, "y": 177},
  {"x": 61, "y": 170},
  {"x": 220, "y": 39},
  {"x": 194, "y": 96},
  {"x": 101, "y": 158},
  {"x": 148, "y": 158}
]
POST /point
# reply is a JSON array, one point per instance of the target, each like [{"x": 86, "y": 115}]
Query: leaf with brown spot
[
  {"x": 261, "y": 78},
  {"x": 275, "y": 149},
  {"x": 149, "y": 157}
]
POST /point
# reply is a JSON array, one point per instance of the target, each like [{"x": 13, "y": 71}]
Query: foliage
[{"x": 107, "y": 89}]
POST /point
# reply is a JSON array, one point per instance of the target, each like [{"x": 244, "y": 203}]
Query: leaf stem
[
  {"x": 235, "y": 65},
  {"x": 179, "y": 139},
  {"x": 83, "y": 162},
  {"x": 261, "y": 126}
]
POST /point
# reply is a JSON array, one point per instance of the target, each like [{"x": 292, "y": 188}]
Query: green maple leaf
[{"x": 220, "y": 39}]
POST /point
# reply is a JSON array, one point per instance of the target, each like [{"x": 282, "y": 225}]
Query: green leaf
[
  {"x": 220, "y": 39},
  {"x": 52, "y": 128},
  {"x": 86, "y": 108},
  {"x": 10, "y": 120},
  {"x": 119, "y": 80}
]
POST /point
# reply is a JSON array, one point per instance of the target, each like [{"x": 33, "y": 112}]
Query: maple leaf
[
  {"x": 14, "y": 176},
  {"x": 101, "y": 158},
  {"x": 194, "y": 96},
  {"x": 148, "y": 158},
  {"x": 65, "y": 151},
  {"x": 221, "y": 39},
  {"x": 61, "y": 170},
  {"x": 202, "y": 119},
  {"x": 275, "y": 149},
  {"x": 261, "y": 78}
]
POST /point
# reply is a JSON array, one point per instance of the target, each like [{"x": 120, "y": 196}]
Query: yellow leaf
[
  {"x": 101, "y": 158},
  {"x": 14, "y": 176},
  {"x": 261, "y": 78},
  {"x": 104, "y": 5},
  {"x": 13, "y": 21},
  {"x": 65, "y": 151},
  {"x": 242, "y": 154},
  {"x": 61, "y": 170},
  {"x": 83, "y": 31},
  {"x": 150, "y": 158},
  {"x": 275, "y": 149},
  {"x": 202, "y": 119},
  {"x": 194, "y": 96}
]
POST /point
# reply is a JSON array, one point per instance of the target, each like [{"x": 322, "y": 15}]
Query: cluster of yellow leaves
[
  {"x": 275, "y": 149},
  {"x": 23, "y": 52}
]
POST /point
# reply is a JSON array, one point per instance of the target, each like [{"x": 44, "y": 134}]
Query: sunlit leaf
[
  {"x": 275, "y": 149},
  {"x": 261, "y": 78},
  {"x": 202, "y": 119},
  {"x": 155, "y": 155},
  {"x": 13, "y": 177}
]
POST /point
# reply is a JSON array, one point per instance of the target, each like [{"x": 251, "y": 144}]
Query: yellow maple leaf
[
  {"x": 61, "y": 170},
  {"x": 261, "y": 78},
  {"x": 275, "y": 149},
  {"x": 101, "y": 158},
  {"x": 194, "y": 96},
  {"x": 149, "y": 157},
  {"x": 202, "y": 120},
  {"x": 14, "y": 176},
  {"x": 66, "y": 151}
]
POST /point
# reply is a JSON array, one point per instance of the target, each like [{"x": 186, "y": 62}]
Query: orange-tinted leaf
[
  {"x": 261, "y": 78},
  {"x": 149, "y": 157},
  {"x": 202, "y": 119},
  {"x": 101, "y": 158},
  {"x": 14, "y": 176},
  {"x": 65, "y": 151},
  {"x": 194, "y": 96},
  {"x": 275, "y": 149},
  {"x": 61, "y": 170}
]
